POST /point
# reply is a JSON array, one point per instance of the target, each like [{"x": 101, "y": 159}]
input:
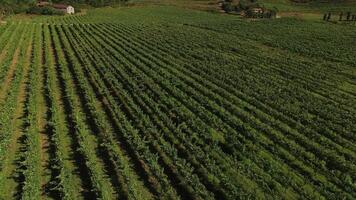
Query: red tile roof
[{"x": 60, "y": 6}]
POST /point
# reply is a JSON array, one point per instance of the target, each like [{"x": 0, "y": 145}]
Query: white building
[
  {"x": 70, "y": 10},
  {"x": 65, "y": 8}
]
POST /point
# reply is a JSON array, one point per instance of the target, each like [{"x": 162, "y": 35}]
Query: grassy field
[
  {"x": 204, "y": 5},
  {"x": 313, "y": 10},
  {"x": 282, "y": 5},
  {"x": 160, "y": 102},
  {"x": 313, "y": 6}
]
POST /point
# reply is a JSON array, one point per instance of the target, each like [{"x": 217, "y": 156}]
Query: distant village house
[
  {"x": 257, "y": 10},
  {"x": 64, "y": 8},
  {"x": 60, "y": 7}
]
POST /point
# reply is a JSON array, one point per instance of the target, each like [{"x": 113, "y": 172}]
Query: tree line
[
  {"x": 90, "y": 2},
  {"x": 19, "y": 6},
  {"x": 348, "y": 16}
]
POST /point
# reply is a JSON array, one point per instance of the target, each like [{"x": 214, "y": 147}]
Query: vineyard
[{"x": 168, "y": 103}]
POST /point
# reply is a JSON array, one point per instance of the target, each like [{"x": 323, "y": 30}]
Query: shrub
[
  {"x": 227, "y": 7},
  {"x": 44, "y": 11}
]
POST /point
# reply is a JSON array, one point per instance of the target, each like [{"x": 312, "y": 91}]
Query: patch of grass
[
  {"x": 312, "y": 7},
  {"x": 205, "y": 5}
]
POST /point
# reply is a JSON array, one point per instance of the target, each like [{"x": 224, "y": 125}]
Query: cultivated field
[{"x": 167, "y": 103}]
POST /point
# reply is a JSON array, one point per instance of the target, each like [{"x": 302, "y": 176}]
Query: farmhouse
[
  {"x": 257, "y": 10},
  {"x": 61, "y": 7},
  {"x": 64, "y": 8}
]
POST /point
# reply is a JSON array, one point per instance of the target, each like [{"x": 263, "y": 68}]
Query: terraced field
[{"x": 167, "y": 103}]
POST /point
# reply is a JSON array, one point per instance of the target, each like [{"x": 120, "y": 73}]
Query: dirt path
[
  {"x": 44, "y": 135},
  {"x": 73, "y": 162}
]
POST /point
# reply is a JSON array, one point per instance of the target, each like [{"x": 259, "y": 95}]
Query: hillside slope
[{"x": 311, "y": 6}]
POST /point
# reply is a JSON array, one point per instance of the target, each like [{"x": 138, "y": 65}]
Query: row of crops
[{"x": 169, "y": 111}]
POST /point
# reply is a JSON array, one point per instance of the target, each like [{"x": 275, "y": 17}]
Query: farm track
[
  {"x": 124, "y": 111},
  {"x": 46, "y": 147}
]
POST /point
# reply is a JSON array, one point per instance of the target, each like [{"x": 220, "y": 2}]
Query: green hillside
[
  {"x": 313, "y": 10},
  {"x": 311, "y": 6}
]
